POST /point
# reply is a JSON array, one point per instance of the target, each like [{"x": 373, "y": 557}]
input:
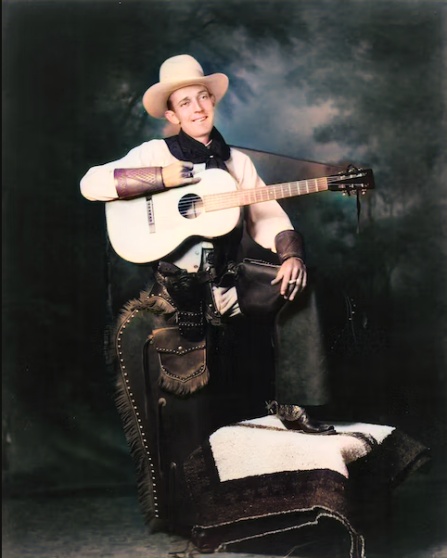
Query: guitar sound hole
[{"x": 190, "y": 206}]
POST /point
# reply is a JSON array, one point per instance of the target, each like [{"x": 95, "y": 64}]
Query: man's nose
[{"x": 197, "y": 105}]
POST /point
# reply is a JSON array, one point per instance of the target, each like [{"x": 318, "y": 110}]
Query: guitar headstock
[{"x": 352, "y": 180}]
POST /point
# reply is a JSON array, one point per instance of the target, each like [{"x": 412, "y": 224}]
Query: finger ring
[{"x": 293, "y": 281}]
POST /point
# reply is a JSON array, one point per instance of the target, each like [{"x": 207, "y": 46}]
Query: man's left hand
[{"x": 293, "y": 277}]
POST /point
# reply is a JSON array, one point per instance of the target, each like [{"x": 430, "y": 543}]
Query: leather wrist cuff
[
  {"x": 131, "y": 183},
  {"x": 289, "y": 244}
]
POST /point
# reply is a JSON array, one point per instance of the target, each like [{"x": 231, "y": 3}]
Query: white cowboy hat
[{"x": 181, "y": 71}]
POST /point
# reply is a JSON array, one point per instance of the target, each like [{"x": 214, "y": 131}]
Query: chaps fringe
[
  {"x": 145, "y": 487},
  {"x": 184, "y": 388},
  {"x": 134, "y": 435}
]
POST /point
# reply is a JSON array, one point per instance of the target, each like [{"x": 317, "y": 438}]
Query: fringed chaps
[{"x": 160, "y": 380}]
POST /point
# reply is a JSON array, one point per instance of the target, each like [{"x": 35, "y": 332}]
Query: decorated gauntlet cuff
[
  {"x": 131, "y": 183},
  {"x": 289, "y": 244}
]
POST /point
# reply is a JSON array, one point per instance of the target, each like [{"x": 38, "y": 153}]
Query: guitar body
[{"x": 144, "y": 230}]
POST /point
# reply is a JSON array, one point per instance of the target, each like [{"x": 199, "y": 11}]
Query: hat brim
[{"x": 156, "y": 97}]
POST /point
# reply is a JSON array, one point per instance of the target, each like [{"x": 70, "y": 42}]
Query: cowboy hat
[{"x": 176, "y": 72}]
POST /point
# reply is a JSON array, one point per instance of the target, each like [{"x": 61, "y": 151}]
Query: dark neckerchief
[{"x": 186, "y": 148}]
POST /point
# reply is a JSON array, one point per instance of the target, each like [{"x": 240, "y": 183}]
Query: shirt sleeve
[
  {"x": 98, "y": 183},
  {"x": 264, "y": 220}
]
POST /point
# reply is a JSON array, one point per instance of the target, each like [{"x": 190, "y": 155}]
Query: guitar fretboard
[{"x": 215, "y": 202}]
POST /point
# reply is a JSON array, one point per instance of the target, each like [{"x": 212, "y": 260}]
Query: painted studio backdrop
[{"x": 334, "y": 82}]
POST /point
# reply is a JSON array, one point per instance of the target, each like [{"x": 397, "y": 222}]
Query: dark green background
[{"x": 330, "y": 81}]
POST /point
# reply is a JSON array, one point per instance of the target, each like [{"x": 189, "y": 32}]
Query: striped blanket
[{"x": 256, "y": 478}]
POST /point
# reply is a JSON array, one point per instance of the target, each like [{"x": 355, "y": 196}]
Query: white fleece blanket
[{"x": 264, "y": 446}]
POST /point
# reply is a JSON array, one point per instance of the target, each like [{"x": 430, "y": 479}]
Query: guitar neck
[{"x": 216, "y": 202}]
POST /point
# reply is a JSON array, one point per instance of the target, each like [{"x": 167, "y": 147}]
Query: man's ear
[{"x": 171, "y": 117}]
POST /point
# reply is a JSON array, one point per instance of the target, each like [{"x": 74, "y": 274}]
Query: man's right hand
[{"x": 180, "y": 173}]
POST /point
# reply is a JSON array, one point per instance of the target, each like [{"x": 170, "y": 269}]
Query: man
[{"x": 193, "y": 283}]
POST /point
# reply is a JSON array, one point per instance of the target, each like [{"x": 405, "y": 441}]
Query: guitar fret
[{"x": 214, "y": 202}]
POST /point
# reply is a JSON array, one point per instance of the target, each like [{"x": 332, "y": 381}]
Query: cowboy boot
[{"x": 296, "y": 418}]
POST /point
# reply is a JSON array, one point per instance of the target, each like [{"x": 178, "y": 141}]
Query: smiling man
[
  {"x": 185, "y": 97},
  {"x": 169, "y": 382}
]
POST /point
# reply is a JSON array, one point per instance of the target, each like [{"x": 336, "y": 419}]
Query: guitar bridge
[{"x": 150, "y": 213}]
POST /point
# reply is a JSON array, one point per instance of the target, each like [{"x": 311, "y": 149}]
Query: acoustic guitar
[{"x": 147, "y": 229}]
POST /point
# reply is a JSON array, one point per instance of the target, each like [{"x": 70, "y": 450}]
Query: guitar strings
[
  {"x": 216, "y": 201},
  {"x": 266, "y": 193}
]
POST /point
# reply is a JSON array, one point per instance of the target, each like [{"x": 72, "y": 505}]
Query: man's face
[{"x": 193, "y": 108}]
